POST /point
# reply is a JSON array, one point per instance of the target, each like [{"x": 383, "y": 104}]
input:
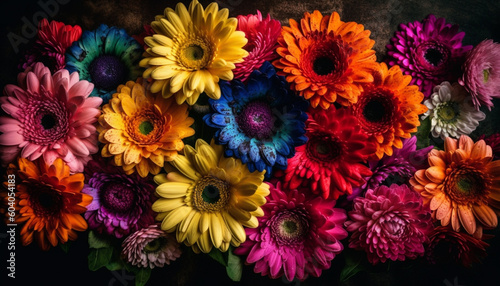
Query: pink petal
[
  {"x": 80, "y": 89},
  {"x": 9, "y": 154},
  {"x": 11, "y": 139},
  {"x": 32, "y": 82},
  {"x": 77, "y": 147},
  {"x": 8, "y": 124},
  {"x": 30, "y": 149}
]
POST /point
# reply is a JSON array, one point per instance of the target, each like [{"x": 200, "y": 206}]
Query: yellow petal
[
  {"x": 166, "y": 205},
  {"x": 215, "y": 230},
  {"x": 182, "y": 164},
  {"x": 172, "y": 190},
  {"x": 171, "y": 221},
  {"x": 204, "y": 242},
  {"x": 236, "y": 229}
]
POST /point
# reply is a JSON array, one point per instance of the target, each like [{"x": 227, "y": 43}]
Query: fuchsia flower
[
  {"x": 297, "y": 236},
  {"x": 389, "y": 223},
  {"x": 50, "y": 116},
  {"x": 262, "y": 35},
  {"x": 430, "y": 51},
  {"x": 481, "y": 76}
]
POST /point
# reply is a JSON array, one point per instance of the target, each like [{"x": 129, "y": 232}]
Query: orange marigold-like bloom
[
  {"x": 48, "y": 201},
  {"x": 325, "y": 59},
  {"x": 462, "y": 185},
  {"x": 388, "y": 109}
]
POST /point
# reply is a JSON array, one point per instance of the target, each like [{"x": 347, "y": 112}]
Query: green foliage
[{"x": 423, "y": 133}]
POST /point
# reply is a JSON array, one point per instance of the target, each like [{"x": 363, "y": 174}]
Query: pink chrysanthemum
[
  {"x": 430, "y": 51},
  {"x": 389, "y": 223},
  {"x": 50, "y": 116},
  {"x": 481, "y": 76},
  {"x": 297, "y": 236},
  {"x": 50, "y": 47},
  {"x": 150, "y": 247},
  {"x": 262, "y": 35}
]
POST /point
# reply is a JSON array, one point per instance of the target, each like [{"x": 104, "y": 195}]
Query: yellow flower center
[
  {"x": 211, "y": 194},
  {"x": 196, "y": 54},
  {"x": 486, "y": 75},
  {"x": 155, "y": 245},
  {"x": 448, "y": 112}
]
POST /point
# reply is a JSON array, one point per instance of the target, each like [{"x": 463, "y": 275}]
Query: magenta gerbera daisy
[
  {"x": 481, "y": 76},
  {"x": 430, "y": 51},
  {"x": 389, "y": 223},
  {"x": 297, "y": 236},
  {"x": 50, "y": 116},
  {"x": 262, "y": 35}
]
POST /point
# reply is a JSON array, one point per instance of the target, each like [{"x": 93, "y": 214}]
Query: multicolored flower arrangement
[{"x": 274, "y": 147}]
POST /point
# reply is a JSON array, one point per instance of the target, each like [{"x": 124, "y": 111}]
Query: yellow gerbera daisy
[
  {"x": 142, "y": 130},
  {"x": 191, "y": 50},
  {"x": 209, "y": 199}
]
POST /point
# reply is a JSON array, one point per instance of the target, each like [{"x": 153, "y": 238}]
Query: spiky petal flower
[
  {"x": 389, "y": 223},
  {"x": 388, "y": 109},
  {"x": 331, "y": 162},
  {"x": 209, "y": 198},
  {"x": 261, "y": 122},
  {"x": 122, "y": 203},
  {"x": 49, "y": 116},
  {"x": 49, "y": 202},
  {"x": 430, "y": 51},
  {"x": 298, "y": 235},
  {"x": 262, "y": 35},
  {"x": 53, "y": 39},
  {"x": 462, "y": 185},
  {"x": 150, "y": 247},
  {"x": 451, "y": 111},
  {"x": 191, "y": 50},
  {"x": 142, "y": 130},
  {"x": 325, "y": 59},
  {"x": 107, "y": 57},
  {"x": 481, "y": 73}
]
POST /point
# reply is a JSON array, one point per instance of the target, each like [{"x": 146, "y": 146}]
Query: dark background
[{"x": 479, "y": 19}]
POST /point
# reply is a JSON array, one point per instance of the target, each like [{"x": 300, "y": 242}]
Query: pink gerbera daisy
[
  {"x": 50, "y": 116},
  {"x": 297, "y": 236}
]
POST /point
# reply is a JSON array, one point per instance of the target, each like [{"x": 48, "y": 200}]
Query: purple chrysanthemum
[
  {"x": 150, "y": 247},
  {"x": 389, "y": 223},
  {"x": 430, "y": 51},
  {"x": 122, "y": 203},
  {"x": 481, "y": 76}
]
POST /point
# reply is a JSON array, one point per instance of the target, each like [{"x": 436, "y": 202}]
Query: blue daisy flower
[
  {"x": 261, "y": 122},
  {"x": 107, "y": 57}
]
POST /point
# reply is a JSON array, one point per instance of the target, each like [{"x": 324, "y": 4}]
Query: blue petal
[
  {"x": 226, "y": 134},
  {"x": 281, "y": 146},
  {"x": 254, "y": 151},
  {"x": 220, "y": 120},
  {"x": 236, "y": 141},
  {"x": 260, "y": 165},
  {"x": 251, "y": 167},
  {"x": 228, "y": 153},
  {"x": 222, "y": 108},
  {"x": 268, "y": 154},
  {"x": 281, "y": 161},
  {"x": 244, "y": 147}
]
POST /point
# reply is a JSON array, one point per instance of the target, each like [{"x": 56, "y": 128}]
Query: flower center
[
  {"x": 195, "y": 54},
  {"x": 323, "y": 66},
  {"x": 107, "y": 72},
  {"x": 45, "y": 201},
  {"x": 376, "y": 110},
  {"x": 486, "y": 75},
  {"x": 448, "y": 112},
  {"x": 155, "y": 245},
  {"x": 48, "y": 121},
  {"x": 466, "y": 184},
  {"x": 324, "y": 147},
  {"x": 433, "y": 56},
  {"x": 117, "y": 197},
  {"x": 256, "y": 120},
  {"x": 146, "y": 127},
  {"x": 211, "y": 194},
  {"x": 290, "y": 227}
]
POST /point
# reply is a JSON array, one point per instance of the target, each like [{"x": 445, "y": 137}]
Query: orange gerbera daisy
[
  {"x": 49, "y": 202},
  {"x": 325, "y": 59},
  {"x": 388, "y": 109},
  {"x": 462, "y": 185},
  {"x": 142, "y": 130}
]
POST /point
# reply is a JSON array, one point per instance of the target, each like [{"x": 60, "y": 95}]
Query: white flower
[{"x": 451, "y": 111}]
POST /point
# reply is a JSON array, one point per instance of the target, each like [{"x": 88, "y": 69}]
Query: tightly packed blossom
[
  {"x": 388, "y": 109},
  {"x": 260, "y": 122},
  {"x": 451, "y": 111},
  {"x": 462, "y": 185},
  {"x": 141, "y": 130},
  {"x": 297, "y": 236},
  {"x": 431, "y": 51},
  {"x": 107, "y": 57},
  {"x": 481, "y": 73},
  {"x": 331, "y": 162},
  {"x": 53, "y": 39},
  {"x": 49, "y": 202},
  {"x": 191, "y": 50},
  {"x": 208, "y": 199},
  {"x": 122, "y": 203},
  {"x": 49, "y": 116},
  {"x": 150, "y": 247},
  {"x": 262, "y": 35},
  {"x": 325, "y": 59},
  {"x": 389, "y": 223}
]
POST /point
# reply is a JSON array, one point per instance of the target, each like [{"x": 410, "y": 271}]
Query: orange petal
[
  {"x": 465, "y": 143},
  {"x": 485, "y": 215},
  {"x": 436, "y": 174},
  {"x": 478, "y": 150},
  {"x": 450, "y": 144},
  {"x": 455, "y": 224},
  {"x": 467, "y": 218}
]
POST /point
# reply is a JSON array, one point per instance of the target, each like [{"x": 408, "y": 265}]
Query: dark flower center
[
  {"x": 119, "y": 198},
  {"x": 194, "y": 53},
  {"x": 290, "y": 227},
  {"x": 467, "y": 184},
  {"x": 146, "y": 127},
  {"x": 256, "y": 120},
  {"x": 107, "y": 72},
  {"x": 48, "y": 121},
  {"x": 323, "y": 66},
  {"x": 324, "y": 147},
  {"x": 155, "y": 245},
  {"x": 374, "y": 110},
  {"x": 45, "y": 201},
  {"x": 211, "y": 194},
  {"x": 433, "y": 56}
]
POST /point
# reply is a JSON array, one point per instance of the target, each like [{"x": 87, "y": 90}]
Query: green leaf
[
  {"x": 234, "y": 267},
  {"x": 221, "y": 257},
  {"x": 142, "y": 276},
  {"x": 99, "y": 257},
  {"x": 353, "y": 265},
  {"x": 98, "y": 241},
  {"x": 423, "y": 133}
]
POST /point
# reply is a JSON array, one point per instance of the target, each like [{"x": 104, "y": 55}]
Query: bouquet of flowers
[{"x": 275, "y": 148}]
